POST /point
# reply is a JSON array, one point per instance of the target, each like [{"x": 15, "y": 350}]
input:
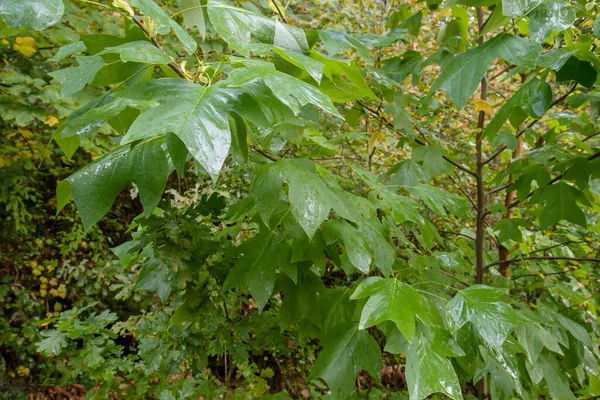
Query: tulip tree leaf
[
  {"x": 291, "y": 91},
  {"x": 428, "y": 369},
  {"x": 580, "y": 71},
  {"x": 392, "y": 300},
  {"x": 481, "y": 306},
  {"x": 153, "y": 10},
  {"x": 464, "y": 72},
  {"x": 256, "y": 270},
  {"x": 139, "y": 51},
  {"x": 533, "y": 98},
  {"x": 74, "y": 79},
  {"x": 237, "y": 26},
  {"x": 197, "y": 115},
  {"x": 96, "y": 186},
  {"x": 548, "y": 16},
  {"x": 561, "y": 203},
  {"x": 31, "y": 14},
  {"x": 346, "y": 351}
]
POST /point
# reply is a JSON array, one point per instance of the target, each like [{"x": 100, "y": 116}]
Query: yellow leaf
[
  {"x": 25, "y": 45},
  {"x": 25, "y": 133},
  {"x": 4, "y": 42},
  {"x": 277, "y": 7},
  {"x": 51, "y": 120},
  {"x": 482, "y": 105}
]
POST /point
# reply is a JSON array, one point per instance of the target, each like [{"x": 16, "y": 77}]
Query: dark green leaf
[
  {"x": 346, "y": 351},
  {"x": 582, "y": 72},
  {"x": 561, "y": 203}
]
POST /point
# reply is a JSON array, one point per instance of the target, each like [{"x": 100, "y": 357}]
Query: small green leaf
[
  {"x": 68, "y": 50},
  {"x": 63, "y": 195},
  {"x": 336, "y": 42},
  {"x": 32, "y": 14},
  {"x": 561, "y": 203},
  {"x": 533, "y": 98},
  {"x": 151, "y": 9},
  {"x": 392, "y": 300},
  {"x": 139, "y": 51},
  {"x": 193, "y": 15},
  {"x": 256, "y": 270},
  {"x": 428, "y": 369},
  {"x": 155, "y": 276},
  {"x": 52, "y": 344},
  {"x": 291, "y": 91},
  {"x": 75, "y": 78},
  {"x": 509, "y": 229},
  {"x": 480, "y": 305},
  {"x": 347, "y": 350},
  {"x": 580, "y": 71}
]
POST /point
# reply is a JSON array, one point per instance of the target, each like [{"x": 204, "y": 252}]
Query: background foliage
[{"x": 204, "y": 199}]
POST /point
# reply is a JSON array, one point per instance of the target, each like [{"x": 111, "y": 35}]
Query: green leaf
[
  {"x": 89, "y": 119},
  {"x": 75, "y": 78},
  {"x": 596, "y": 26},
  {"x": 139, "y": 51},
  {"x": 407, "y": 173},
  {"x": 151, "y": 9},
  {"x": 392, "y": 300},
  {"x": 358, "y": 249},
  {"x": 509, "y": 229},
  {"x": 347, "y": 350},
  {"x": 533, "y": 98},
  {"x": 556, "y": 380},
  {"x": 155, "y": 276},
  {"x": 96, "y": 186},
  {"x": 337, "y": 42},
  {"x": 32, "y": 14},
  {"x": 344, "y": 81},
  {"x": 428, "y": 369},
  {"x": 549, "y": 16},
  {"x": 193, "y": 15},
  {"x": 256, "y": 270},
  {"x": 561, "y": 203},
  {"x": 197, "y": 115},
  {"x": 63, "y": 194},
  {"x": 68, "y": 50},
  {"x": 464, "y": 72},
  {"x": 237, "y": 26},
  {"x": 438, "y": 200},
  {"x": 52, "y": 344},
  {"x": 310, "y": 199},
  {"x": 313, "y": 67},
  {"x": 580, "y": 71},
  {"x": 432, "y": 159},
  {"x": 291, "y": 91},
  {"x": 480, "y": 305}
]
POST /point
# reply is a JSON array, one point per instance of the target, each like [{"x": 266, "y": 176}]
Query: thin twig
[{"x": 519, "y": 259}]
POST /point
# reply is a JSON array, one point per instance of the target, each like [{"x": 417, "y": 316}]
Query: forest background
[{"x": 341, "y": 199}]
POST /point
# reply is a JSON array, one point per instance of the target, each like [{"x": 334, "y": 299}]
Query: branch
[
  {"x": 519, "y": 259},
  {"x": 389, "y": 124},
  {"x": 264, "y": 153},
  {"x": 173, "y": 65},
  {"x": 555, "y": 102},
  {"x": 554, "y": 180}
]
